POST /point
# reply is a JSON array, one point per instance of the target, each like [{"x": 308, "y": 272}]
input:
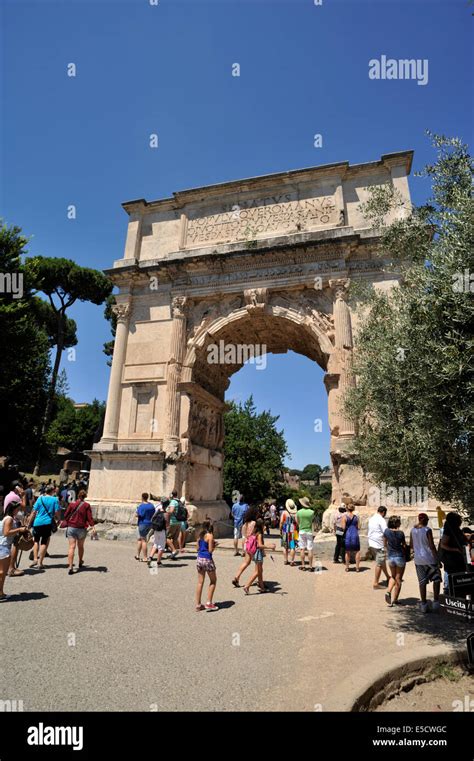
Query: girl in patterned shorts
[{"x": 205, "y": 564}]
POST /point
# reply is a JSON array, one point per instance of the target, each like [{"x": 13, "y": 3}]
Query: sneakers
[
  {"x": 424, "y": 607},
  {"x": 211, "y": 606}
]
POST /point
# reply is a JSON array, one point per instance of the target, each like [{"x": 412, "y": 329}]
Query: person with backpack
[
  {"x": 255, "y": 547},
  {"x": 77, "y": 520},
  {"x": 145, "y": 512},
  {"x": 248, "y": 526},
  {"x": 43, "y": 519},
  {"x": 159, "y": 524},
  {"x": 205, "y": 564},
  {"x": 174, "y": 526}
]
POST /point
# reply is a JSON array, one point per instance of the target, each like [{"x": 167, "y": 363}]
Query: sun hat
[
  {"x": 304, "y": 501},
  {"x": 290, "y": 506}
]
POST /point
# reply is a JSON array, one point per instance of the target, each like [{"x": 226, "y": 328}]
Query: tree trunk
[{"x": 51, "y": 392}]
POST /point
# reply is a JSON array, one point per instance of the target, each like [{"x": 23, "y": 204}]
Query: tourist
[
  {"x": 64, "y": 497},
  {"x": 182, "y": 516},
  {"x": 375, "y": 535},
  {"x": 289, "y": 532},
  {"x": 8, "y": 531},
  {"x": 396, "y": 547},
  {"x": 159, "y": 524},
  {"x": 16, "y": 494},
  {"x": 238, "y": 511},
  {"x": 256, "y": 549},
  {"x": 304, "y": 519},
  {"x": 426, "y": 561},
  {"x": 174, "y": 525},
  {"x": 77, "y": 520},
  {"x": 273, "y": 515},
  {"x": 145, "y": 512},
  {"x": 267, "y": 519},
  {"x": 205, "y": 564},
  {"x": 43, "y": 519},
  {"x": 452, "y": 547},
  {"x": 29, "y": 497},
  {"x": 339, "y": 550},
  {"x": 250, "y": 519},
  {"x": 470, "y": 542},
  {"x": 350, "y": 524},
  {"x": 72, "y": 491}
]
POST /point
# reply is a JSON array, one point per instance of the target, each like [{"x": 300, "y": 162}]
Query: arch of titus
[{"x": 262, "y": 261}]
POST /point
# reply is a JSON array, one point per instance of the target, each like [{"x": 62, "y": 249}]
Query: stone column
[
  {"x": 344, "y": 350},
  {"x": 112, "y": 413},
  {"x": 177, "y": 353}
]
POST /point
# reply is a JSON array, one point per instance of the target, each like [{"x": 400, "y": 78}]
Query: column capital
[
  {"x": 122, "y": 311},
  {"x": 179, "y": 306},
  {"x": 340, "y": 287}
]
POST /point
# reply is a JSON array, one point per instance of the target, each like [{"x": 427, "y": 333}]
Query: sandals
[
  {"x": 137, "y": 557},
  {"x": 246, "y": 590},
  {"x": 302, "y": 568},
  {"x": 235, "y": 582},
  {"x": 199, "y": 608}
]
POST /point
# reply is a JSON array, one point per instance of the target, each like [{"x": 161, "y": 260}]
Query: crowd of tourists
[{"x": 29, "y": 517}]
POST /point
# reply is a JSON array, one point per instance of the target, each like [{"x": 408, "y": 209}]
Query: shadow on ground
[
  {"x": 440, "y": 627},
  {"x": 25, "y": 597}
]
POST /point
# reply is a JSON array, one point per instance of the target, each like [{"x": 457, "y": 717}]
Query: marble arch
[{"x": 261, "y": 262}]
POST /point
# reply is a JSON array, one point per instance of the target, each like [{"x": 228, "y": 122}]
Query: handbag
[
  {"x": 25, "y": 542},
  {"x": 54, "y": 525},
  {"x": 65, "y": 523}
]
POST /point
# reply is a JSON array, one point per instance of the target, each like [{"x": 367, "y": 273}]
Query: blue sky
[{"x": 143, "y": 69}]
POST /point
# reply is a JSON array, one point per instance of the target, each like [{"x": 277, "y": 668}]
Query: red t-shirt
[{"x": 82, "y": 517}]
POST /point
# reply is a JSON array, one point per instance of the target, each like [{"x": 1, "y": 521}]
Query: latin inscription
[{"x": 248, "y": 219}]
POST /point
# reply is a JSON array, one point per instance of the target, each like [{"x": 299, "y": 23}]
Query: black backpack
[
  {"x": 181, "y": 512},
  {"x": 158, "y": 522}
]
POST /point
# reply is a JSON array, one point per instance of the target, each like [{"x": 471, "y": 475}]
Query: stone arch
[{"x": 294, "y": 325}]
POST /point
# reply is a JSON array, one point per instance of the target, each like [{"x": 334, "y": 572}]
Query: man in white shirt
[{"x": 376, "y": 527}]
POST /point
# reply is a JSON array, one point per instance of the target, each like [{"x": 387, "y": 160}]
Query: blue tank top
[{"x": 203, "y": 550}]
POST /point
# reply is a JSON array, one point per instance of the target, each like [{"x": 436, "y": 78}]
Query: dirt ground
[{"x": 444, "y": 694}]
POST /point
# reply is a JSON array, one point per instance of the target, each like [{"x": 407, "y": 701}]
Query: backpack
[
  {"x": 181, "y": 512},
  {"x": 158, "y": 522},
  {"x": 251, "y": 544}
]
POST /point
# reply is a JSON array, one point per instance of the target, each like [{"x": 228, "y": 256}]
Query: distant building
[{"x": 326, "y": 477}]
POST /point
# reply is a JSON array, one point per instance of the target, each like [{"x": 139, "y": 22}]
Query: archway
[{"x": 302, "y": 320}]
